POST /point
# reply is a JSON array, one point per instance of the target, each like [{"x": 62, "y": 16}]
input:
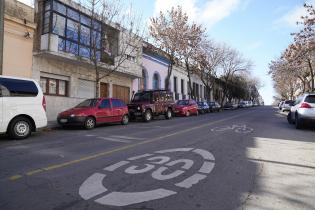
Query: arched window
[
  {"x": 144, "y": 80},
  {"x": 156, "y": 81}
]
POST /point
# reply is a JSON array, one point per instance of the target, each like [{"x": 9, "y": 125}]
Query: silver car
[{"x": 303, "y": 111}]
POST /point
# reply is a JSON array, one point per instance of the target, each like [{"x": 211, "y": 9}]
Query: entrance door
[
  {"x": 122, "y": 93},
  {"x": 104, "y": 90}
]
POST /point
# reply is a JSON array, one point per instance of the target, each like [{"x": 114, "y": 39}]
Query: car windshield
[
  {"x": 310, "y": 99},
  {"x": 142, "y": 96},
  {"x": 184, "y": 102},
  {"x": 87, "y": 103}
]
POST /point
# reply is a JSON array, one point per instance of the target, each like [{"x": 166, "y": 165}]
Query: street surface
[{"x": 241, "y": 159}]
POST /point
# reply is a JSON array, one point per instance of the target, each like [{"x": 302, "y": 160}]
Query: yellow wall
[{"x": 17, "y": 49}]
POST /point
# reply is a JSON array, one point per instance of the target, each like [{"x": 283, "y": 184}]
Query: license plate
[{"x": 63, "y": 120}]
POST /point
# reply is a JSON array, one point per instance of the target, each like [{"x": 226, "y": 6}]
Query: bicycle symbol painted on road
[
  {"x": 159, "y": 167},
  {"x": 236, "y": 128}
]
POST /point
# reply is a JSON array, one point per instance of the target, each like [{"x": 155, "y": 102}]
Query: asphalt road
[{"x": 240, "y": 159}]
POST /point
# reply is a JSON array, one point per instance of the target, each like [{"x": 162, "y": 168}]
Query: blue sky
[{"x": 259, "y": 29}]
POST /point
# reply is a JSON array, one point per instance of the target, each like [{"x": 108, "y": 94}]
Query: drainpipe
[{"x": 1, "y": 34}]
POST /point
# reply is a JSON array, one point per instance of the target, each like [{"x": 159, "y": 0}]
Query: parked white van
[{"x": 22, "y": 107}]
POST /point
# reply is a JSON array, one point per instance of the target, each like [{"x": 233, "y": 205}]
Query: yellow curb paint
[
  {"x": 62, "y": 165},
  {"x": 15, "y": 177},
  {"x": 30, "y": 173}
]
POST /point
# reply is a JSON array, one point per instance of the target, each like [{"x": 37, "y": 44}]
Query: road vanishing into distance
[{"x": 241, "y": 159}]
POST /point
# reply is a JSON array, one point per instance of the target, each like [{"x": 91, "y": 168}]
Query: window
[
  {"x": 46, "y": 22},
  {"x": 131, "y": 58},
  {"x": 85, "y": 20},
  {"x": 73, "y": 14},
  {"x": 118, "y": 103},
  {"x": 182, "y": 86},
  {"x": 58, "y": 7},
  {"x": 59, "y": 24},
  {"x": 78, "y": 33},
  {"x": 72, "y": 30},
  {"x": 19, "y": 88},
  {"x": 85, "y": 52},
  {"x": 61, "y": 44},
  {"x": 85, "y": 35},
  {"x": 72, "y": 47},
  {"x": 175, "y": 84},
  {"x": 156, "y": 81},
  {"x": 54, "y": 86},
  {"x": 310, "y": 99},
  {"x": 105, "y": 104}
]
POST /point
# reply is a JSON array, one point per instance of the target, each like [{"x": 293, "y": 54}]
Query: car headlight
[
  {"x": 73, "y": 115},
  {"x": 138, "y": 108}
]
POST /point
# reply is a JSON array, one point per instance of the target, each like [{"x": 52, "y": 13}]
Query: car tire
[
  {"x": 298, "y": 122},
  {"x": 289, "y": 118},
  {"x": 20, "y": 128},
  {"x": 147, "y": 116},
  {"x": 125, "y": 120},
  {"x": 89, "y": 123},
  {"x": 168, "y": 114},
  {"x": 187, "y": 113}
]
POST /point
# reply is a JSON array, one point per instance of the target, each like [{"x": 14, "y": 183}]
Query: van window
[{"x": 21, "y": 88}]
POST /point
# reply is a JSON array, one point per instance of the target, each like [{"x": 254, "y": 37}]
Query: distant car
[
  {"x": 214, "y": 106},
  {"x": 229, "y": 105},
  {"x": 286, "y": 105},
  {"x": 303, "y": 111},
  {"x": 242, "y": 104},
  {"x": 280, "y": 105},
  {"x": 95, "y": 111},
  {"x": 186, "y": 108},
  {"x": 22, "y": 107},
  {"x": 203, "y": 107}
]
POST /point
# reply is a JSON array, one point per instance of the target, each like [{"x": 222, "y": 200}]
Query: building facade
[
  {"x": 67, "y": 37},
  {"x": 19, "y": 29},
  {"x": 154, "y": 73}
]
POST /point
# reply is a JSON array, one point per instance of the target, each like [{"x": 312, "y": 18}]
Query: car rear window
[
  {"x": 18, "y": 88},
  {"x": 310, "y": 99}
]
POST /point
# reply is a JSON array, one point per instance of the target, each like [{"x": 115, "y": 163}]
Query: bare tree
[
  {"x": 167, "y": 32},
  {"x": 209, "y": 58},
  {"x": 233, "y": 63}
]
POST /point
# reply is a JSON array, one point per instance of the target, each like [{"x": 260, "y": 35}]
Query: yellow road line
[{"x": 72, "y": 162}]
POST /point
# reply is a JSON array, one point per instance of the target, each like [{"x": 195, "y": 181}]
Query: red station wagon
[
  {"x": 186, "y": 108},
  {"x": 95, "y": 111}
]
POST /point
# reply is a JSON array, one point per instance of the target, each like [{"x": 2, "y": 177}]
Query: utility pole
[{"x": 1, "y": 33}]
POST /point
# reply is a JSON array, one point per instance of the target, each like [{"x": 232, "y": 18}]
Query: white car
[
  {"x": 303, "y": 111},
  {"x": 22, "y": 107}
]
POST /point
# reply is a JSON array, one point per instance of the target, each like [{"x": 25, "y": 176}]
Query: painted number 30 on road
[{"x": 157, "y": 164}]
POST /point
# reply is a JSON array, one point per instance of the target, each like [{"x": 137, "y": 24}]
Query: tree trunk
[
  {"x": 168, "y": 76},
  {"x": 192, "y": 94},
  {"x": 312, "y": 75},
  {"x": 97, "y": 83}
]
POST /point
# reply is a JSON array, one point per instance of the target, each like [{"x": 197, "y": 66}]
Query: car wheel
[
  {"x": 89, "y": 123},
  {"x": 187, "y": 113},
  {"x": 20, "y": 128},
  {"x": 168, "y": 114},
  {"x": 147, "y": 117},
  {"x": 125, "y": 120},
  {"x": 289, "y": 118},
  {"x": 298, "y": 123}
]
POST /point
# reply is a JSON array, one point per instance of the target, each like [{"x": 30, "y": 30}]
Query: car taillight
[
  {"x": 305, "y": 105},
  {"x": 44, "y": 103}
]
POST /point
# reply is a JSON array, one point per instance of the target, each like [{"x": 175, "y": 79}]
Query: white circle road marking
[{"x": 93, "y": 186}]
